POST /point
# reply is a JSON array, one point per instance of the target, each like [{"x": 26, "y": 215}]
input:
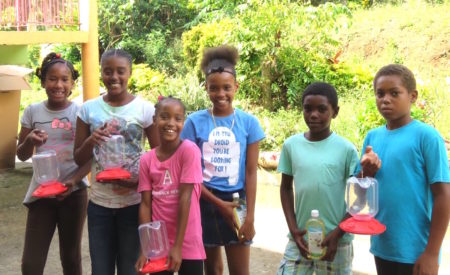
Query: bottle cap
[
  {"x": 315, "y": 213},
  {"x": 236, "y": 195}
]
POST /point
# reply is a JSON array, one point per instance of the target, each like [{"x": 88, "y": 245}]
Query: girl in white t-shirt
[{"x": 113, "y": 206}]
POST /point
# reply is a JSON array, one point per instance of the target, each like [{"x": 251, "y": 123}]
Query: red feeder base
[
  {"x": 154, "y": 266},
  {"x": 113, "y": 174},
  {"x": 364, "y": 227},
  {"x": 49, "y": 189}
]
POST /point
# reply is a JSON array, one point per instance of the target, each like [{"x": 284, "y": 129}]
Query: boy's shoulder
[
  {"x": 343, "y": 141},
  {"x": 416, "y": 129}
]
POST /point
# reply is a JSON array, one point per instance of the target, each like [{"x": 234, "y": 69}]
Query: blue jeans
[{"x": 113, "y": 239}]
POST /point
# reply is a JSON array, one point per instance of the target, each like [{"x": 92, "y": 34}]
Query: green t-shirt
[{"x": 320, "y": 170}]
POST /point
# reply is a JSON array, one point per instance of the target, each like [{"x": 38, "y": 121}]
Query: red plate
[
  {"x": 49, "y": 189},
  {"x": 363, "y": 227},
  {"x": 113, "y": 174},
  {"x": 154, "y": 266}
]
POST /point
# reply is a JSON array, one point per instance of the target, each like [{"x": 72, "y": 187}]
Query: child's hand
[
  {"x": 37, "y": 137},
  {"x": 331, "y": 243},
  {"x": 174, "y": 259},
  {"x": 226, "y": 209},
  {"x": 142, "y": 260},
  {"x": 298, "y": 236},
  {"x": 426, "y": 264},
  {"x": 69, "y": 184},
  {"x": 99, "y": 135},
  {"x": 128, "y": 183},
  {"x": 247, "y": 231},
  {"x": 370, "y": 163}
]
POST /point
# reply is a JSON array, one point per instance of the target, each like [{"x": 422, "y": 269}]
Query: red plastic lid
[
  {"x": 49, "y": 189},
  {"x": 153, "y": 266},
  {"x": 113, "y": 174},
  {"x": 363, "y": 227}
]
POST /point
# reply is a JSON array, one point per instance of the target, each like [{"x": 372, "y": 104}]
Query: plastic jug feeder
[
  {"x": 46, "y": 173},
  {"x": 362, "y": 203},
  {"x": 154, "y": 245},
  {"x": 111, "y": 158}
]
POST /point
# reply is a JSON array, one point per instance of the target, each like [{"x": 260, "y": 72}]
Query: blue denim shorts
[{"x": 216, "y": 231}]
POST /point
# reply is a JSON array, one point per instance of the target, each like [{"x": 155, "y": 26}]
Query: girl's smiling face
[
  {"x": 170, "y": 120},
  {"x": 58, "y": 84},
  {"x": 116, "y": 71},
  {"x": 221, "y": 88}
]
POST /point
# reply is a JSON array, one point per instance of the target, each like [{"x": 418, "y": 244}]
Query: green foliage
[
  {"x": 283, "y": 48},
  {"x": 71, "y": 52},
  {"x": 278, "y": 126},
  {"x": 129, "y": 24}
]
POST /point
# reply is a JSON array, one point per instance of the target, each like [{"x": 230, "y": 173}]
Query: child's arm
[
  {"x": 184, "y": 206},
  {"x": 428, "y": 262},
  {"x": 225, "y": 207},
  {"x": 331, "y": 241},
  {"x": 85, "y": 141},
  {"x": 76, "y": 178},
  {"x": 28, "y": 139},
  {"x": 152, "y": 135},
  {"x": 145, "y": 216},
  {"x": 247, "y": 230},
  {"x": 287, "y": 202}
]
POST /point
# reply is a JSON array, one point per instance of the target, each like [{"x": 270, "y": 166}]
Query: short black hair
[
  {"x": 119, "y": 53},
  {"x": 52, "y": 59},
  {"x": 163, "y": 99},
  {"x": 224, "y": 57},
  {"x": 405, "y": 74},
  {"x": 323, "y": 89}
]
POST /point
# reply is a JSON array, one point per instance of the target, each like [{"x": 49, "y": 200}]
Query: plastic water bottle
[
  {"x": 315, "y": 229},
  {"x": 240, "y": 212}
]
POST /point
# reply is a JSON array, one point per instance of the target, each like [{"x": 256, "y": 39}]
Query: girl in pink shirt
[{"x": 170, "y": 178}]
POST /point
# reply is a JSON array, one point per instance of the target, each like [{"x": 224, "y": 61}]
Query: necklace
[{"x": 232, "y": 123}]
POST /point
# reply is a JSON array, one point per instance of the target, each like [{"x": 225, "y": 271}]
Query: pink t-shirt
[{"x": 163, "y": 180}]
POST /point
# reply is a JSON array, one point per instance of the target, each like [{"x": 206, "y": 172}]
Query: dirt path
[
  {"x": 266, "y": 251},
  {"x": 13, "y": 185}
]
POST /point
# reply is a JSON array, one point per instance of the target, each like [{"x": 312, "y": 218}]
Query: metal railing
[{"x": 38, "y": 15}]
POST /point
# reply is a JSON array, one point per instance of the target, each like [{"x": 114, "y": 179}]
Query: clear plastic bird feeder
[
  {"x": 154, "y": 245},
  {"x": 111, "y": 158},
  {"x": 362, "y": 204},
  {"x": 46, "y": 173}
]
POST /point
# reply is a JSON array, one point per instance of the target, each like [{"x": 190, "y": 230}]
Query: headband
[{"x": 220, "y": 66}]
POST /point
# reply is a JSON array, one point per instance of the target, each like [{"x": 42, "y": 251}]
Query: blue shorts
[{"x": 216, "y": 231}]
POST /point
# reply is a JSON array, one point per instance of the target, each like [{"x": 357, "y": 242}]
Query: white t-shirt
[{"x": 129, "y": 121}]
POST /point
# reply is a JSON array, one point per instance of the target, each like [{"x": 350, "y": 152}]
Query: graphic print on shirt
[
  {"x": 165, "y": 186},
  {"x": 167, "y": 178},
  {"x": 61, "y": 141},
  {"x": 221, "y": 155}
]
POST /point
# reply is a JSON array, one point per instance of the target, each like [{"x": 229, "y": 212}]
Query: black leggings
[
  {"x": 385, "y": 267},
  {"x": 188, "y": 267}
]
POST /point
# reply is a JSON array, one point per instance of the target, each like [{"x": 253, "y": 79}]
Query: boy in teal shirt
[
  {"x": 414, "y": 194},
  {"x": 318, "y": 163}
]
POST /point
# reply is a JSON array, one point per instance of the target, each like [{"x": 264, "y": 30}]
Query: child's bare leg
[
  {"x": 213, "y": 261},
  {"x": 238, "y": 258}
]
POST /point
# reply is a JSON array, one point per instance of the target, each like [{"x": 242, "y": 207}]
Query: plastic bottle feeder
[
  {"x": 110, "y": 157},
  {"x": 154, "y": 245},
  {"x": 362, "y": 204},
  {"x": 46, "y": 173}
]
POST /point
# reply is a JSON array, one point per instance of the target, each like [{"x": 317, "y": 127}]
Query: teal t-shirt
[
  {"x": 320, "y": 170},
  {"x": 413, "y": 158}
]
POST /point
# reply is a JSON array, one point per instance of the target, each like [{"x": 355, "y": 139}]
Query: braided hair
[
  {"x": 119, "y": 53},
  {"x": 163, "y": 99},
  {"x": 52, "y": 59}
]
